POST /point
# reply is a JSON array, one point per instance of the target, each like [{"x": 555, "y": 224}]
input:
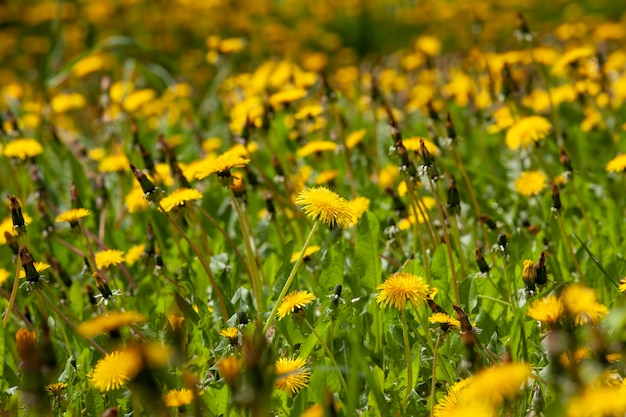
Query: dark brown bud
[
  {"x": 75, "y": 197},
  {"x": 434, "y": 307},
  {"x": 542, "y": 273},
  {"x": 483, "y": 267},
  {"x": 454, "y": 200},
  {"x": 150, "y": 190},
  {"x": 450, "y": 127},
  {"x": 28, "y": 265},
  {"x": 556, "y": 197},
  {"x": 466, "y": 326},
  {"x": 565, "y": 161}
]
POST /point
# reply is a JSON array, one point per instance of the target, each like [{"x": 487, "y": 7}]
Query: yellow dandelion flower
[
  {"x": 287, "y": 96},
  {"x": 429, "y": 45},
  {"x": 109, "y": 322},
  {"x": 135, "y": 200},
  {"x": 134, "y": 254},
  {"x": 622, "y": 285},
  {"x": 211, "y": 144},
  {"x": 39, "y": 266},
  {"x": 291, "y": 374},
  {"x": 316, "y": 147},
  {"x": 22, "y": 149},
  {"x": 449, "y": 402},
  {"x": 178, "y": 397},
  {"x": 307, "y": 112},
  {"x": 598, "y": 401},
  {"x": 229, "y": 369},
  {"x": 90, "y": 64},
  {"x": 175, "y": 321},
  {"x": 230, "y": 332},
  {"x": 108, "y": 257},
  {"x": 617, "y": 164},
  {"x": 116, "y": 369},
  {"x": 114, "y": 163},
  {"x": 96, "y": 154},
  {"x": 4, "y": 275},
  {"x": 447, "y": 322},
  {"x": 531, "y": 183},
  {"x": 570, "y": 57},
  {"x": 323, "y": 205},
  {"x": 222, "y": 165},
  {"x": 307, "y": 253},
  {"x": 72, "y": 216},
  {"x": 578, "y": 355},
  {"x": 325, "y": 177},
  {"x": 293, "y": 302},
  {"x": 56, "y": 388},
  {"x": 546, "y": 310},
  {"x": 358, "y": 206},
  {"x": 580, "y": 304},
  {"x": 526, "y": 132},
  {"x": 63, "y": 103},
  {"x": 316, "y": 410},
  {"x": 355, "y": 138},
  {"x": 400, "y": 288},
  {"x": 492, "y": 386},
  {"x": 135, "y": 100},
  {"x": 179, "y": 197},
  {"x": 414, "y": 144}
]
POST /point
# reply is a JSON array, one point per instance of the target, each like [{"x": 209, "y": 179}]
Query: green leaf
[
  {"x": 367, "y": 251},
  {"x": 333, "y": 268},
  {"x": 94, "y": 403}
]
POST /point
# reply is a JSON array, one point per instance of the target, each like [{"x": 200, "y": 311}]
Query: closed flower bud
[
  {"x": 12, "y": 242},
  {"x": 434, "y": 307},
  {"x": 102, "y": 286},
  {"x": 483, "y": 267},
  {"x": 148, "y": 162},
  {"x": 565, "y": 161},
  {"x": 75, "y": 197},
  {"x": 556, "y": 198},
  {"x": 450, "y": 127},
  {"x": 488, "y": 221},
  {"x": 150, "y": 190},
  {"x": 454, "y": 200},
  {"x": 28, "y": 265},
  {"x": 529, "y": 275},
  {"x": 466, "y": 326},
  {"x": 542, "y": 273},
  {"x": 16, "y": 215}
]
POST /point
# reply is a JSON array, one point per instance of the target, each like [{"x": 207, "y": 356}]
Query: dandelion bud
[
  {"x": 75, "y": 197},
  {"x": 529, "y": 275},
  {"x": 432, "y": 113},
  {"x": 269, "y": 203},
  {"x": 336, "y": 296},
  {"x": 542, "y": 273},
  {"x": 16, "y": 216},
  {"x": 502, "y": 240},
  {"x": 509, "y": 87},
  {"x": 454, "y": 200},
  {"x": 488, "y": 221},
  {"x": 523, "y": 32},
  {"x": 239, "y": 188},
  {"x": 102, "y": 286},
  {"x": 466, "y": 326},
  {"x": 242, "y": 318},
  {"x": 13, "y": 121},
  {"x": 148, "y": 162},
  {"x": 565, "y": 161},
  {"x": 134, "y": 130},
  {"x": 450, "y": 127},
  {"x": 26, "y": 344},
  {"x": 91, "y": 295},
  {"x": 28, "y": 265},
  {"x": 150, "y": 190},
  {"x": 556, "y": 198},
  {"x": 483, "y": 267},
  {"x": 434, "y": 307},
  {"x": 425, "y": 154}
]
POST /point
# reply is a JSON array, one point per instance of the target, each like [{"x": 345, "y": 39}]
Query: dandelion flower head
[
  {"x": 617, "y": 164},
  {"x": 72, "y": 216},
  {"x": 178, "y": 397},
  {"x": 294, "y": 301},
  {"x": 546, "y": 310},
  {"x": 400, "y": 288},
  {"x": 116, "y": 369},
  {"x": 179, "y": 197},
  {"x": 446, "y": 321},
  {"x": 109, "y": 322},
  {"x": 531, "y": 183},
  {"x": 323, "y": 205},
  {"x": 526, "y": 132},
  {"x": 109, "y": 257},
  {"x": 22, "y": 149},
  {"x": 291, "y": 374},
  {"x": 580, "y": 304}
]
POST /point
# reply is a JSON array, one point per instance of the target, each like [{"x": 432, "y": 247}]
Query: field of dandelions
[{"x": 312, "y": 208}]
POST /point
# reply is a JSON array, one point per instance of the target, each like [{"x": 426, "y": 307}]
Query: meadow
[{"x": 312, "y": 208}]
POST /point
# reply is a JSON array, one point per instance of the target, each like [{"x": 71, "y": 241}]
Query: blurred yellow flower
[
  {"x": 526, "y": 132},
  {"x": 179, "y": 198},
  {"x": 108, "y": 257},
  {"x": 547, "y": 309},
  {"x": 617, "y": 164},
  {"x": 316, "y": 147},
  {"x": 22, "y": 149},
  {"x": 116, "y": 369},
  {"x": 580, "y": 304},
  {"x": 134, "y": 254},
  {"x": 287, "y": 96},
  {"x": 109, "y": 322},
  {"x": 178, "y": 397},
  {"x": 531, "y": 183},
  {"x": 307, "y": 253},
  {"x": 62, "y": 103}
]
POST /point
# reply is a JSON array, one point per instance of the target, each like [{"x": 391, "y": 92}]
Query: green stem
[
  {"x": 434, "y": 377},
  {"x": 203, "y": 262},
  {"x": 409, "y": 364},
  {"x": 290, "y": 279},
  {"x": 330, "y": 355},
  {"x": 16, "y": 286},
  {"x": 569, "y": 248},
  {"x": 510, "y": 290},
  {"x": 252, "y": 261}
]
